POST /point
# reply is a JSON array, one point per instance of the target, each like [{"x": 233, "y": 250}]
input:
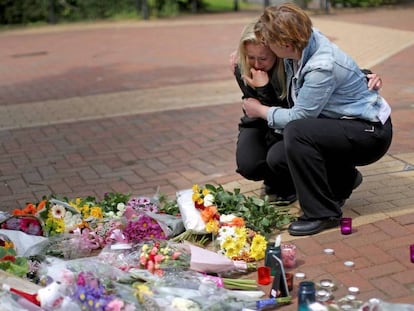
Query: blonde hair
[
  {"x": 248, "y": 36},
  {"x": 284, "y": 24}
]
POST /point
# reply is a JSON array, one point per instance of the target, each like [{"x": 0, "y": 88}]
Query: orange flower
[
  {"x": 30, "y": 209},
  {"x": 237, "y": 222},
  {"x": 17, "y": 212},
  {"x": 208, "y": 213},
  {"x": 41, "y": 205}
]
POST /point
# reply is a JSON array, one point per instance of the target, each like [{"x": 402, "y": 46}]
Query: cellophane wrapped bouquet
[
  {"x": 86, "y": 284},
  {"x": 189, "y": 290}
]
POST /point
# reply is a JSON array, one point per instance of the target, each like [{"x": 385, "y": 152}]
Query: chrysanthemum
[
  {"x": 212, "y": 226},
  {"x": 258, "y": 247}
]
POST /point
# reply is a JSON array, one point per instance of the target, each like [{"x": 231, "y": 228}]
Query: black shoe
[
  {"x": 268, "y": 190},
  {"x": 357, "y": 182},
  {"x": 309, "y": 227},
  {"x": 283, "y": 201},
  {"x": 278, "y": 199}
]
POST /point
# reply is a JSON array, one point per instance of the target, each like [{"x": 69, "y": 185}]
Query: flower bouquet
[
  {"x": 157, "y": 256},
  {"x": 199, "y": 214},
  {"x": 85, "y": 284},
  {"x": 24, "y": 220},
  {"x": 201, "y": 208},
  {"x": 238, "y": 242},
  {"x": 259, "y": 214},
  {"x": 144, "y": 220},
  {"x": 189, "y": 290},
  {"x": 143, "y": 227}
]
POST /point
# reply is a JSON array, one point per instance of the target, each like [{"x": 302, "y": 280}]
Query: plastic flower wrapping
[
  {"x": 154, "y": 256},
  {"x": 190, "y": 290},
  {"x": 79, "y": 227},
  {"x": 191, "y": 215},
  {"x": 85, "y": 284}
]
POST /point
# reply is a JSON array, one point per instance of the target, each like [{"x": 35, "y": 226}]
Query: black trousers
[
  {"x": 322, "y": 155},
  {"x": 315, "y": 158},
  {"x": 254, "y": 143}
]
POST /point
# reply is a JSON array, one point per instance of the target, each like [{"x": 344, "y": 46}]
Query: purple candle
[
  {"x": 412, "y": 252},
  {"x": 346, "y": 225}
]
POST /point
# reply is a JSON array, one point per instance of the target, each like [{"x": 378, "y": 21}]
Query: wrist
[{"x": 264, "y": 112}]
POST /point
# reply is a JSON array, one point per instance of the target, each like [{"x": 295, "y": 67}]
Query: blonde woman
[{"x": 265, "y": 71}]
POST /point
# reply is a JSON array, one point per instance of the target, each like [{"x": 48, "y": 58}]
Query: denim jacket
[{"x": 328, "y": 84}]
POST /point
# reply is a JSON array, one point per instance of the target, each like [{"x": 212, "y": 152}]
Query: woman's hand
[
  {"x": 374, "y": 81},
  {"x": 259, "y": 78},
  {"x": 254, "y": 109}
]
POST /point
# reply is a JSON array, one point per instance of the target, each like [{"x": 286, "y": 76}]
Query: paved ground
[{"x": 140, "y": 106}]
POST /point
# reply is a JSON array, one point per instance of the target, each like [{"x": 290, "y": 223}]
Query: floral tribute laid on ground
[
  {"x": 129, "y": 252},
  {"x": 125, "y": 253}
]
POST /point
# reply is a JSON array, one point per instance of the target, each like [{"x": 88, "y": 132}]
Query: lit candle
[{"x": 346, "y": 225}]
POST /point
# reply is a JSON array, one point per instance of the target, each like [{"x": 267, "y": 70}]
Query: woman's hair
[
  {"x": 284, "y": 24},
  {"x": 248, "y": 36}
]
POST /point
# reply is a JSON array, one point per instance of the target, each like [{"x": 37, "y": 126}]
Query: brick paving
[{"x": 140, "y": 106}]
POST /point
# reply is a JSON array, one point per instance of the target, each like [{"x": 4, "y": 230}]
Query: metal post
[
  {"x": 52, "y": 15},
  {"x": 236, "y": 5},
  {"x": 266, "y": 3},
  {"x": 145, "y": 11},
  {"x": 194, "y": 6}
]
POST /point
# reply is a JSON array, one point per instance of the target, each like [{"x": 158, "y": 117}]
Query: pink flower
[
  {"x": 81, "y": 280},
  {"x": 143, "y": 260},
  {"x": 158, "y": 258},
  {"x": 150, "y": 266},
  {"x": 130, "y": 213},
  {"x": 175, "y": 255},
  {"x": 68, "y": 277},
  {"x": 154, "y": 251},
  {"x": 115, "y": 305}
]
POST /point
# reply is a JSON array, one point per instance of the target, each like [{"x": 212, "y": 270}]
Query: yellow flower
[
  {"x": 258, "y": 247},
  {"x": 96, "y": 212},
  {"x": 212, "y": 226},
  {"x": 231, "y": 249},
  {"x": 196, "y": 189},
  {"x": 8, "y": 244},
  {"x": 241, "y": 231},
  {"x": 195, "y": 197},
  {"x": 142, "y": 291}
]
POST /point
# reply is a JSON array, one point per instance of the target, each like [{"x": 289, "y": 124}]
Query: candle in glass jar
[
  {"x": 346, "y": 225},
  {"x": 412, "y": 252},
  {"x": 288, "y": 252}
]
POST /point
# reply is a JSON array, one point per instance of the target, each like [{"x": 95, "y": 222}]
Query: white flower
[
  {"x": 208, "y": 200},
  {"x": 58, "y": 211},
  {"x": 183, "y": 304},
  {"x": 120, "y": 207},
  {"x": 72, "y": 221},
  {"x": 224, "y": 232},
  {"x": 226, "y": 219},
  {"x": 110, "y": 214}
]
